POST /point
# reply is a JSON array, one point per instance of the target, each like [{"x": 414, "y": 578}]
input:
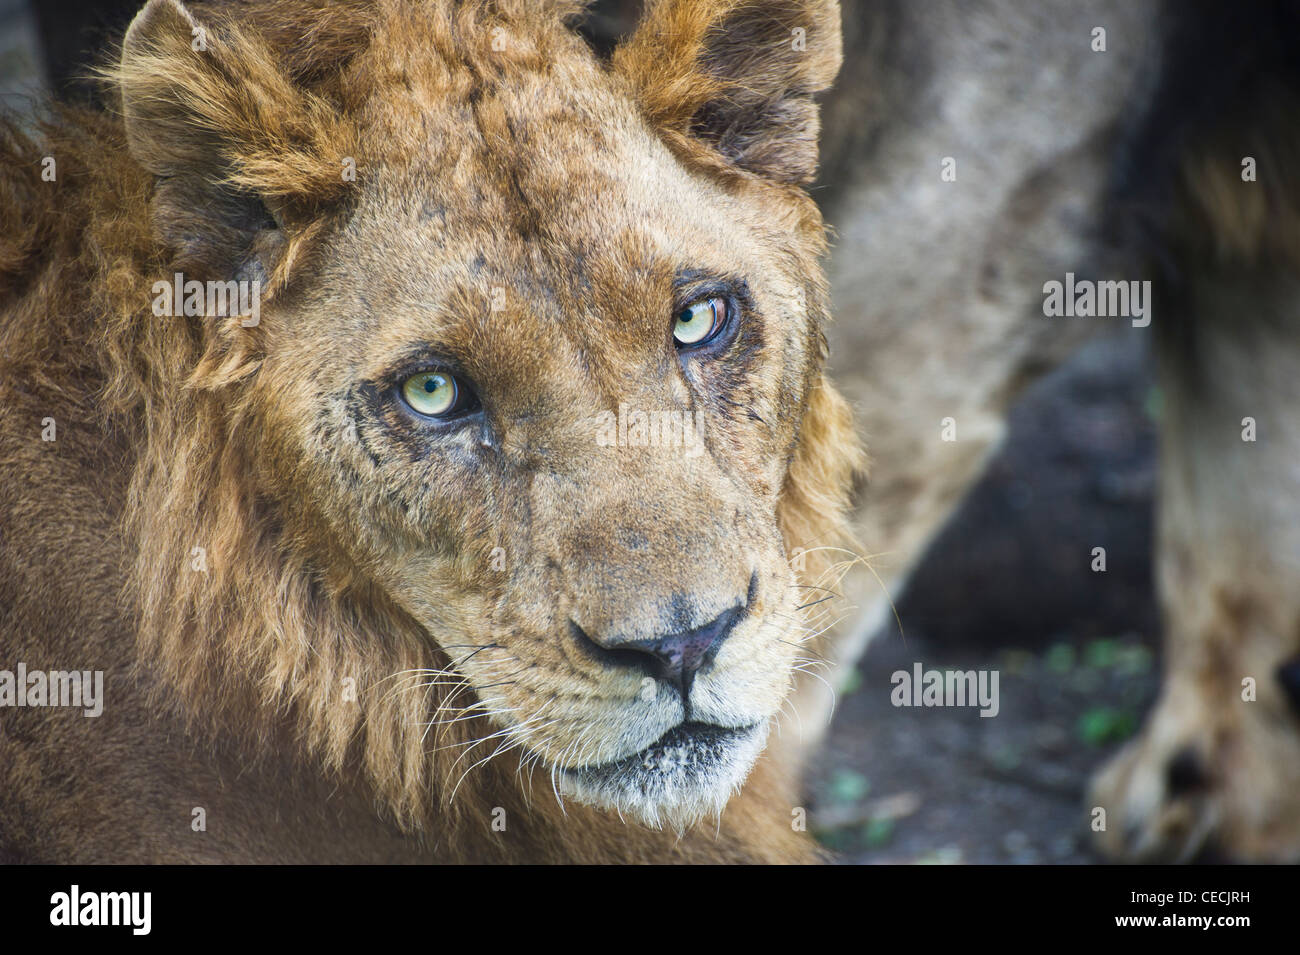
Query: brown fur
[{"x": 225, "y": 686}]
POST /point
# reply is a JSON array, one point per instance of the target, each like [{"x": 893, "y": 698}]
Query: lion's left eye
[
  {"x": 437, "y": 394},
  {"x": 700, "y": 322}
]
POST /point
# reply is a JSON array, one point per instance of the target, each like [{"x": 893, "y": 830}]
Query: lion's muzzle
[{"x": 673, "y": 658}]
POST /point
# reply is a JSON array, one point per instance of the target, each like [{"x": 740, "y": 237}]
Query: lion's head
[{"x": 530, "y": 440}]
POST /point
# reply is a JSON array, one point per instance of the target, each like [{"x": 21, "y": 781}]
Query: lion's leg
[
  {"x": 942, "y": 253},
  {"x": 1215, "y": 764}
]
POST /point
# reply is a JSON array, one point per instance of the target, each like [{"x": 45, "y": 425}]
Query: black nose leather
[{"x": 676, "y": 657}]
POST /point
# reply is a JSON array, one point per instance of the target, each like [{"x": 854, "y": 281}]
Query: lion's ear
[
  {"x": 245, "y": 159},
  {"x": 738, "y": 77}
]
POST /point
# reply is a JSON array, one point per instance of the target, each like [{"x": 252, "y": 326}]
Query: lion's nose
[{"x": 674, "y": 658}]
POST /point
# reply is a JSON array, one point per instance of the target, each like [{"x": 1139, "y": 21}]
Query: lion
[
  {"x": 330, "y": 351},
  {"x": 1115, "y": 140}
]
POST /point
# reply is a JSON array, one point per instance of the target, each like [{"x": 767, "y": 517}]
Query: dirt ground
[{"x": 946, "y": 785}]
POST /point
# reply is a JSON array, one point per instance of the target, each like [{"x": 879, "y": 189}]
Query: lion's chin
[{"x": 687, "y": 774}]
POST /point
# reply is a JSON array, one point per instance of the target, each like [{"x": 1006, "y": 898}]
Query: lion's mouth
[
  {"x": 691, "y": 770},
  {"x": 686, "y": 747}
]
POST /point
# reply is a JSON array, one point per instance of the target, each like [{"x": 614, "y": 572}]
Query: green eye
[
  {"x": 433, "y": 393},
  {"x": 700, "y": 321}
]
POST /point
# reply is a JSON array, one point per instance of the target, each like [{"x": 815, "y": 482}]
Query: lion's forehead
[
  {"x": 501, "y": 165},
  {"x": 559, "y": 226}
]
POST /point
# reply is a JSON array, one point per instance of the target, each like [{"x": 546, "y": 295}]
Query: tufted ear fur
[
  {"x": 730, "y": 83},
  {"x": 246, "y": 160}
]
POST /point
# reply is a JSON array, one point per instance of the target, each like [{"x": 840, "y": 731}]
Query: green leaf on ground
[
  {"x": 1104, "y": 724},
  {"x": 1101, "y": 654},
  {"x": 878, "y": 832},
  {"x": 846, "y": 786},
  {"x": 1060, "y": 658}
]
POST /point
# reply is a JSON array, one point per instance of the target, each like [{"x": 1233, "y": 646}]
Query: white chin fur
[{"x": 673, "y": 785}]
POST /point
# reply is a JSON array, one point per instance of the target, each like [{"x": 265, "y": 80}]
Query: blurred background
[{"x": 999, "y": 587}]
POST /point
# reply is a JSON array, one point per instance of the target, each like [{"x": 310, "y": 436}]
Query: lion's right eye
[{"x": 436, "y": 394}]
